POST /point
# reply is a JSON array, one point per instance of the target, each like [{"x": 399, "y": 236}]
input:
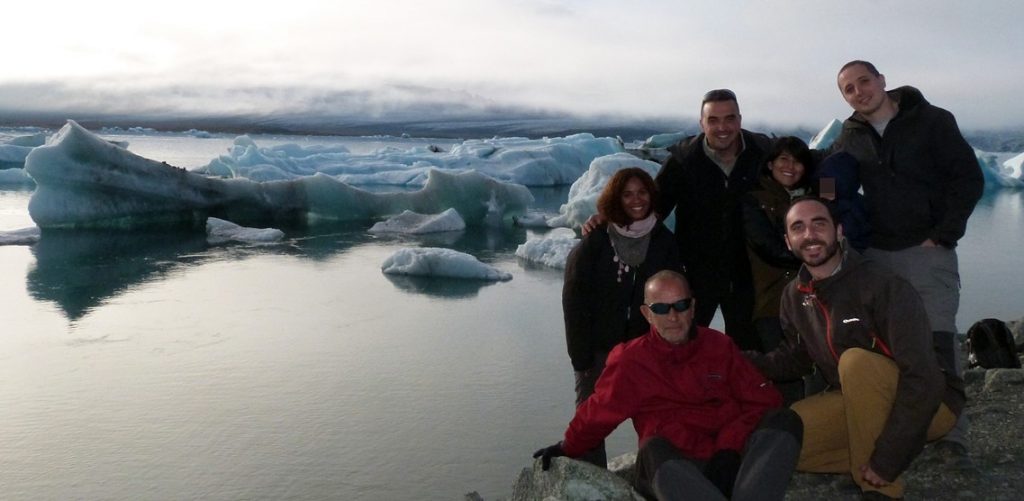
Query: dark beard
[{"x": 830, "y": 250}]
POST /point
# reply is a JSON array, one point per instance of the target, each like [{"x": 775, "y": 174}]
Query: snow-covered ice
[
  {"x": 84, "y": 181},
  {"x": 583, "y": 193},
  {"x": 530, "y": 162},
  {"x": 437, "y": 262},
  {"x": 219, "y": 231},
  {"x": 412, "y": 223},
  {"x": 549, "y": 250}
]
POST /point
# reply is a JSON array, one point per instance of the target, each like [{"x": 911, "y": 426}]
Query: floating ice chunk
[
  {"x": 999, "y": 172},
  {"x": 583, "y": 193},
  {"x": 550, "y": 250},
  {"x": 24, "y": 236},
  {"x": 826, "y": 136},
  {"x": 662, "y": 141},
  {"x": 86, "y": 182},
  {"x": 219, "y": 231},
  {"x": 15, "y": 176},
  {"x": 532, "y": 220},
  {"x": 413, "y": 223},
  {"x": 436, "y": 262}
]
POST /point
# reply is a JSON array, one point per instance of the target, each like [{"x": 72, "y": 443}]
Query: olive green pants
[{"x": 840, "y": 428}]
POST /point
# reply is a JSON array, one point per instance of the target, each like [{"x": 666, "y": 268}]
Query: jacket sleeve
[
  {"x": 577, "y": 304},
  {"x": 964, "y": 182},
  {"x": 900, "y": 320},
  {"x": 764, "y": 238},
  {"x": 614, "y": 400},
  {"x": 669, "y": 181},
  {"x": 789, "y": 360},
  {"x": 755, "y": 395}
]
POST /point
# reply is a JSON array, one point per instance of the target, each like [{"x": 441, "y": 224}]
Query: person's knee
[
  {"x": 784, "y": 420},
  {"x": 856, "y": 361}
]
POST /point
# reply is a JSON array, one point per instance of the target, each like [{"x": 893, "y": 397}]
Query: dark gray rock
[{"x": 571, "y": 480}]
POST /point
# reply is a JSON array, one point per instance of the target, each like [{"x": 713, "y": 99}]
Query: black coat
[
  {"x": 709, "y": 220},
  {"x": 921, "y": 178},
  {"x": 600, "y": 311}
]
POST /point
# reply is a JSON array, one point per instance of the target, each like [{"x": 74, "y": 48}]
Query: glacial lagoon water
[{"x": 153, "y": 366}]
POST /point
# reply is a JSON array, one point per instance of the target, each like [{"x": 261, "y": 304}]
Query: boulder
[{"x": 571, "y": 480}]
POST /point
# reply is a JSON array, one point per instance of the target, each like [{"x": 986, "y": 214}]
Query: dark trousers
[
  {"x": 585, "y": 381},
  {"x": 737, "y": 310},
  {"x": 769, "y": 458}
]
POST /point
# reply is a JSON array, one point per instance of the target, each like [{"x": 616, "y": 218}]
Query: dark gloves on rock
[
  {"x": 547, "y": 453},
  {"x": 722, "y": 468}
]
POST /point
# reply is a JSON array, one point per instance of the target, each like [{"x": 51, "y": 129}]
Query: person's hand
[
  {"x": 721, "y": 470},
  {"x": 593, "y": 222},
  {"x": 547, "y": 453},
  {"x": 871, "y": 477},
  {"x": 929, "y": 243}
]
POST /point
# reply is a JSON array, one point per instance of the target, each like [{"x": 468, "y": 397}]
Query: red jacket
[{"x": 703, "y": 395}]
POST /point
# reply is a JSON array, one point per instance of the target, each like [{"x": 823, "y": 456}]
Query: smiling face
[
  {"x": 673, "y": 326},
  {"x": 721, "y": 122},
  {"x": 787, "y": 170},
  {"x": 636, "y": 200},
  {"x": 863, "y": 90},
  {"x": 813, "y": 236}
]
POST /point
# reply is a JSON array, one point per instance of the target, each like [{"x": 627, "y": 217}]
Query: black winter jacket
[
  {"x": 709, "y": 221},
  {"x": 921, "y": 179},
  {"x": 600, "y": 311}
]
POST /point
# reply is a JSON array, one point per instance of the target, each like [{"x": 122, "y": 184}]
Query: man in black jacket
[
  {"x": 921, "y": 182},
  {"x": 704, "y": 180}
]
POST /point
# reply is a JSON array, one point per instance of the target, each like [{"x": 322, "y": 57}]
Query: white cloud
[{"x": 648, "y": 57}]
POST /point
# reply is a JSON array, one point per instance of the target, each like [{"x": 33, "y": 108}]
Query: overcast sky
[{"x": 642, "y": 57}]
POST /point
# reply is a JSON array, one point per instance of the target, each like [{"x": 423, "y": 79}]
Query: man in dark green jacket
[
  {"x": 921, "y": 182},
  {"x": 866, "y": 331}
]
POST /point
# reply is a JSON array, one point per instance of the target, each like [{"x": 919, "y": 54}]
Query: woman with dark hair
[
  {"x": 787, "y": 174},
  {"x": 605, "y": 276}
]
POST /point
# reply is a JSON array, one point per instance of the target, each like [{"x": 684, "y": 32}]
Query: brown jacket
[{"x": 864, "y": 305}]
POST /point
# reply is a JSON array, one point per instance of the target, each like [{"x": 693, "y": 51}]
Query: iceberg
[
  {"x": 24, "y": 236},
  {"x": 530, "y": 162},
  {"x": 219, "y": 231},
  {"x": 86, "y": 182},
  {"x": 414, "y": 224},
  {"x": 550, "y": 250},
  {"x": 826, "y": 136},
  {"x": 438, "y": 262},
  {"x": 999, "y": 173},
  {"x": 583, "y": 193}
]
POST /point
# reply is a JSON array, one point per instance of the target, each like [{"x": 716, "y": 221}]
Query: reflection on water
[{"x": 78, "y": 270}]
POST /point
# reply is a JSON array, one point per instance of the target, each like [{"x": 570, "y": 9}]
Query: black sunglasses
[{"x": 663, "y": 308}]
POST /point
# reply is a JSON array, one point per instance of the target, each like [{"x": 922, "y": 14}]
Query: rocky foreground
[{"x": 995, "y": 408}]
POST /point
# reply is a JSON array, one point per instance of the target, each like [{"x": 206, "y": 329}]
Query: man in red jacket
[{"x": 703, "y": 413}]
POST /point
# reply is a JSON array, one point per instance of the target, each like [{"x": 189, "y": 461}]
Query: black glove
[
  {"x": 722, "y": 468},
  {"x": 547, "y": 453}
]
